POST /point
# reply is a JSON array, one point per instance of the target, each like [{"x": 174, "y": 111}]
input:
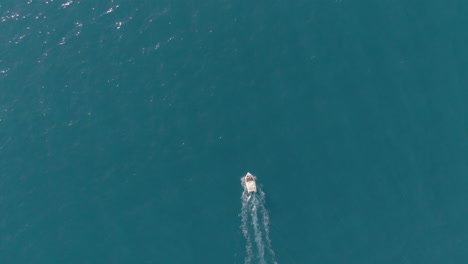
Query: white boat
[{"x": 250, "y": 185}]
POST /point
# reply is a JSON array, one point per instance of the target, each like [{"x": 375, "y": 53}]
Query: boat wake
[{"x": 255, "y": 228}]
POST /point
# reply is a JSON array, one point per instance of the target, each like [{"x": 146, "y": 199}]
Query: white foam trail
[
  {"x": 255, "y": 223},
  {"x": 245, "y": 227},
  {"x": 266, "y": 226},
  {"x": 257, "y": 231}
]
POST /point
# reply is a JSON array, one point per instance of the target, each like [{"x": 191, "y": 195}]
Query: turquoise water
[{"x": 126, "y": 125}]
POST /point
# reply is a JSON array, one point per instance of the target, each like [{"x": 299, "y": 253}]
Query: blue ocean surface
[{"x": 125, "y": 127}]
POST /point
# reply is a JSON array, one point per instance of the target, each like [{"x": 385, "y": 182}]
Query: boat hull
[{"x": 250, "y": 184}]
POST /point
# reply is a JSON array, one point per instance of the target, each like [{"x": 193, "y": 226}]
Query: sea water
[{"x": 126, "y": 125}]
